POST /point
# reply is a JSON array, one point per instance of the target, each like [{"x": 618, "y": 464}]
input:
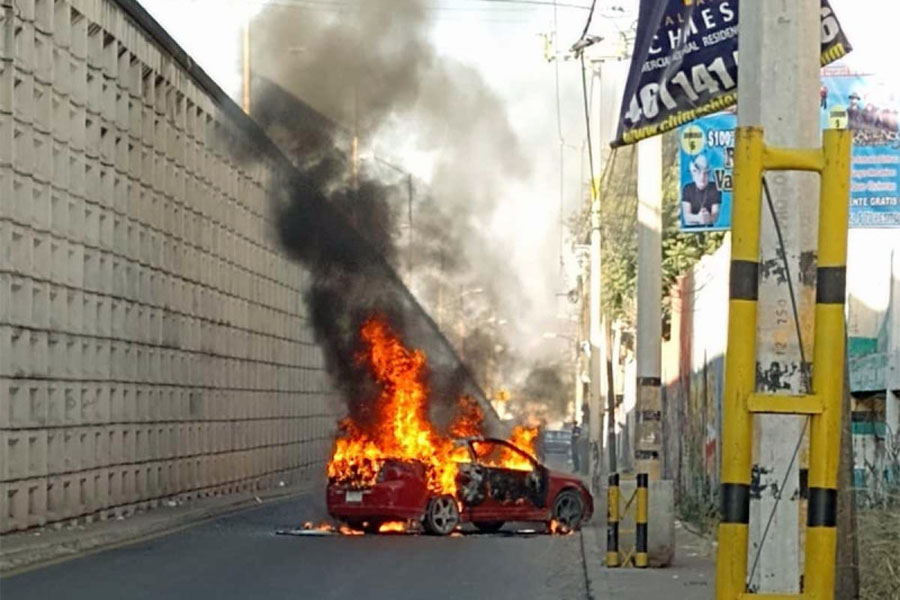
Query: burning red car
[{"x": 496, "y": 482}]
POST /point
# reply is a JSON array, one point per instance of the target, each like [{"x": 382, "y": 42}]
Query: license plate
[{"x": 354, "y": 496}]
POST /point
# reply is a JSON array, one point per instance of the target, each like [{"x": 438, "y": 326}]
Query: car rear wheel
[
  {"x": 442, "y": 515},
  {"x": 488, "y": 526},
  {"x": 568, "y": 509}
]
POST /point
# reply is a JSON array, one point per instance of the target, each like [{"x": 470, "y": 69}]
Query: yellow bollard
[
  {"x": 640, "y": 522},
  {"x": 828, "y": 367},
  {"x": 612, "y": 522},
  {"x": 740, "y": 366}
]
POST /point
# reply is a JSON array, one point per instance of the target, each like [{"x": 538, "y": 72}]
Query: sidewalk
[
  {"x": 691, "y": 576},
  {"x": 45, "y": 545}
]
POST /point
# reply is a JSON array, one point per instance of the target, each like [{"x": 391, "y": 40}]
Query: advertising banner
[
  {"x": 684, "y": 64},
  {"x": 862, "y": 102},
  {"x": 869, "y": 107},
  {"x": 706, "y": 151}
]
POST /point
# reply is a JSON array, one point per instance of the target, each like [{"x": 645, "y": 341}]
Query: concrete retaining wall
[{"x": 153, "y": 342}]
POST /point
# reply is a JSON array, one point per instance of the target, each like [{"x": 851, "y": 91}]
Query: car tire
[
  {"x": 441, "y": 515},
  {"x": 568, "y": 509},
  {"x": 488, "y": 526}
]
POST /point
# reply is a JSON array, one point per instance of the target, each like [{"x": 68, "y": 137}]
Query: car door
[{"x": 502, "y": 483}]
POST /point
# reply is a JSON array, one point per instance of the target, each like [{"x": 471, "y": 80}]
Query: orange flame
[
  {"x": 469, "y": 419},
  {"x": 403, "y": 430},
  {"x": 524, "y": 439},
  {"x": 392, "y": 527},
  {"x": 323, "y": 526},
  {"x": 557, "y": 528},
  {"x": 345, "y": 530}
]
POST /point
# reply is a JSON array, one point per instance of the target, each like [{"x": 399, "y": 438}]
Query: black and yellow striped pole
[
  {"x": 828, "y": 366},
  {"x": 740, "y": 365},
  {"x": 640, "y": 522},
  {"x": 823, "y": 404},
  {"x": 612, "y": 521}
]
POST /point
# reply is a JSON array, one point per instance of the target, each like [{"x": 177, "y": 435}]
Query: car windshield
[{"x": 503, "y": 455}]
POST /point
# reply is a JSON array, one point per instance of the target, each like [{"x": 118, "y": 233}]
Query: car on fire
[{"x": 489, "y": 493}]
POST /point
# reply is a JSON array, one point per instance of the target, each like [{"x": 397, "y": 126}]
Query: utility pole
[
  {"x": 409, "y": 222},
  {"x": 779, "y": 82},
  {"x": 245, "y": 60},
  {"x": 648, "y": 436},
  {"x": 610, "y": 77},
  {"x": 595, "y": 331},
  {"x": 892, "y": 377}
]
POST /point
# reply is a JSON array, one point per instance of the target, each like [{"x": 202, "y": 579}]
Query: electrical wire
[
  {"x": 804, "y": 370},
  {"x": 587, "y": 122},
  {"x": 506, "y": 5},
  {"x": 539, "y": 3},
  {"x": 590, "y": 17}
]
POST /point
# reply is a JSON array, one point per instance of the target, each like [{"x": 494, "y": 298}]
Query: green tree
[{"x": 618, "y": 216}]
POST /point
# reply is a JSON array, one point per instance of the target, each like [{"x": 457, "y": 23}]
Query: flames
[
  {"x": 326, "y": 527},
  {"x": 554, "y": 527},
  {"x": 402, "y": 429},
  {"x": 523, "y": 438},
  {"x": 392, "y": 527}
]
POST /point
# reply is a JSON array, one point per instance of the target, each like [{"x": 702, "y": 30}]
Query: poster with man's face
[
  {"x": 706, "y": 156},
  {"x": 862, "y": 102}
]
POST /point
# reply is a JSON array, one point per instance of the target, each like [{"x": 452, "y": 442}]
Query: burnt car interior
[{"x": 485, "y": 478}]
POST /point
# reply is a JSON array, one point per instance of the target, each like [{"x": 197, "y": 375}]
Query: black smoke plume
[{"x": 359, "y": 71}]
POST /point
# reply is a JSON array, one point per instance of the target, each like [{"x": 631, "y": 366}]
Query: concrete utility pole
[
  {"x": 595, "y": 335},
  {"x": 892, "y": 377},
  {"x": 609, "y": 75},
  {"x": 779, "y": 83},
  {"x": 245, "y": 60},
  {"x": 648, "y": 438}
]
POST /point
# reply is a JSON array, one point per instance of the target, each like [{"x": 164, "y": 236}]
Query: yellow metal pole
[
  {"x": 828, "y": 367},
  {"x": 640, "y": 522},
  {"x": 740, "y": 366},
  {"x": 612, "y": 521}
]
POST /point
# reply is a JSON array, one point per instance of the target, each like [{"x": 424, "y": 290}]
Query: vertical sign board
[
  {"x": 869, "y": 107},
  {"x": 706, "y": 157},
  {"x": 862, "y": 102}
]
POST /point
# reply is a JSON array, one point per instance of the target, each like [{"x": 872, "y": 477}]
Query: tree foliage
[
  {"x": 618, "y": 218},
  {"x": 681, "y": 251}
]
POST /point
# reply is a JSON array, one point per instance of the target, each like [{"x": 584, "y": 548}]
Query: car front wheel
[
  {"x": 442, "y": 515},
  {"x": 568, "y": 509}
]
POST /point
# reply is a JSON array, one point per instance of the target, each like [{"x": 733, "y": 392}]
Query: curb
[{"x": 30, "y": 552}]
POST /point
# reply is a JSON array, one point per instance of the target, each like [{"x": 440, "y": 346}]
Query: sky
[{"x": 503, "y": 42}]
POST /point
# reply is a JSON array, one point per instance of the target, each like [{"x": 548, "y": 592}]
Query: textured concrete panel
[{"x": 153, "y": 341}]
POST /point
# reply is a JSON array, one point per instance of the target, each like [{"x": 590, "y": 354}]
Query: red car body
[{"x": 486, "y": 493}]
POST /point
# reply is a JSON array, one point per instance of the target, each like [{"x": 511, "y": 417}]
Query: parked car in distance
[{"x": 557, "y": 441}]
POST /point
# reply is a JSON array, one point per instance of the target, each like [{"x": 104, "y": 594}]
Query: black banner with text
[{"x": 685, "y": 63}]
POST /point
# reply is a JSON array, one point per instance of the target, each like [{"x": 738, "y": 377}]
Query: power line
[
  {"x": 587, "y": 24},
  {"x": 587, "y": 122},
  {"x": 512, "y": 5},
  {"x": 539, "y": 3}
]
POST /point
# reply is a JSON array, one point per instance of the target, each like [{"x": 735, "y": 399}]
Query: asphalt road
[{"x": 239, "y": 556}]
